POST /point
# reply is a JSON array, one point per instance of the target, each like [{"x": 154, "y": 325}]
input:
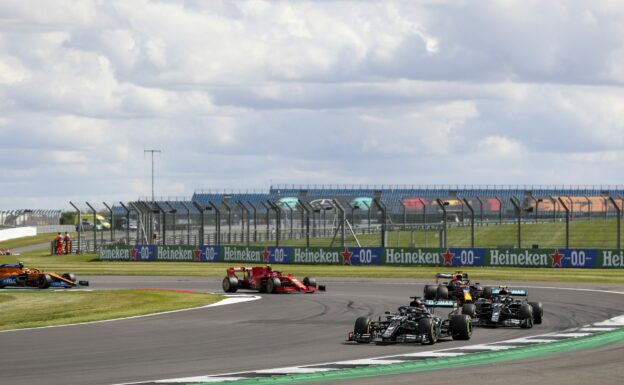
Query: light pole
[{"x": 152, "y": 152}]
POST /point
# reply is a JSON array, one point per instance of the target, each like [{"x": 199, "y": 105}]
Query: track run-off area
[{"x": 301, "y": 338}]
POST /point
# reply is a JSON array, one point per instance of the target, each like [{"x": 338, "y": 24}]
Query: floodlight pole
[{"x": 152, "y": 153}]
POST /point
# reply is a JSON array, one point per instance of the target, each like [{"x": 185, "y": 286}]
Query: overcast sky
[{"x": 239, "y": 94}]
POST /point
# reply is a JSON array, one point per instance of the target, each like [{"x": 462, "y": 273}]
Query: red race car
[{"x": 266, "y": 280}]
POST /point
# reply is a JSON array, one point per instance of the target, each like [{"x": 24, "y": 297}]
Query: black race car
[
  {"x": 503, "y": 309},
  {"x": 415, "y": 323}
]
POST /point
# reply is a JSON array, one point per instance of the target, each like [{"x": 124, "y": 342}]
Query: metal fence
[
  {"x": 527, "y": 221},
  {"x": 26, "y": 217}
]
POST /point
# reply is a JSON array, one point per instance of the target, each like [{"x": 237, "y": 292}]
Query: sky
[{"x": 245, "y": 94}]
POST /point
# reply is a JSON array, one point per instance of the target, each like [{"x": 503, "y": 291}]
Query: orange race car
[{"x": 20, "y": 276}]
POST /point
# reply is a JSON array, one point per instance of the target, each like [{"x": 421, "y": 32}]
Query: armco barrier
[{"x": 456, "y": 257}]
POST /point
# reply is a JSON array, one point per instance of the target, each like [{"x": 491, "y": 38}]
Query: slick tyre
[
  {"x": 470, "y": 309},
  {"x": 430, "y": 291},
  {"x": 428, "y": 329},
  {"x": 230, "y": 284},
  {"x": 461, "y": 326},
  {"x": 487, "y": 292},
  {"x": 272, "y": 285},
  {"x": 44, "y": 281},
  {"x": 525, "y": 313},
  {"x": 442, "y": 292},
  {"x": 538, "y": 312},
  {"x": 362, "y": 326},
  {"x": 309, "y": 281}
]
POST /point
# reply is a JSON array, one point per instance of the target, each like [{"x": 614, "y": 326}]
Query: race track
[{"x": 275, "y": 331}]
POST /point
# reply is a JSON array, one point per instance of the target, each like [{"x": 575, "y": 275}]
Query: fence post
[
  {"x": 127, "y": 222},
  {"x": 201, "y": 210},
  {"x": 617, "y": 209},
  {"x": 472, "y": 223},
  {"x": 307, "y": 224},
  {"x": 442, "y": 206},
  {"x": 79, "y": 227},
  {"x": 382, "y": 207},
  {"x": 217, "y": 221},
  {"x": 94, "y": 227},
  {"x": 112, "y": 222},
  {"x": 567, "y": 221},
  {"x": 518, "y": 210}
]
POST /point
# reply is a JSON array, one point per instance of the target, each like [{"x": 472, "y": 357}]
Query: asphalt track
[{"x": 279, "y": 331}]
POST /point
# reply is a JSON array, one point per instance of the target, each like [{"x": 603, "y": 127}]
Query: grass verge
[
  {"x": 88, "y": 264},
  {"x": 47, "y": 308}
]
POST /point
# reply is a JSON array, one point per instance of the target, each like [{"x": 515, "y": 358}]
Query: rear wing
[
  {"x": 514, "y": 292},
  {"x": 440, "y": 303}
]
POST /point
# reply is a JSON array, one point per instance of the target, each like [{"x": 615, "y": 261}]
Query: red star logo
[
  {"x": 448, "y": 258},
  {"x": 556, "y": 258},
  {"x": 346, "y": 256},
  {"x": 197, "y": 253},
  {"x": 266, "y": 254},
  {"x": 133, "y": 253}
]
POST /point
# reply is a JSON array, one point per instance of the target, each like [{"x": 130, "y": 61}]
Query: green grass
[
  {"x": 89, "y": 264},
  {"x": 35, "y": 239},
  {"x": 46, "y": 308}
]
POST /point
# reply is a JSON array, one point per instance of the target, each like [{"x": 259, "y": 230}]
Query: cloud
[{"x": 236, "y": 94}]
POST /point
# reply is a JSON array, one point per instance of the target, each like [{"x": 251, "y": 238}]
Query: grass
[
  {"x": 89, "y": 264},
  {"x": 33, "y": 240},
  {"x": 45, "y": 308}
]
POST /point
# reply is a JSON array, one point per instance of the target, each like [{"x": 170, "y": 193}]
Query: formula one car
[
  {"x": 266, "y": 280},
  {"x": 415, "y": 323},
  {"x": 458, "y": 288},
  {"x": 20, "y": 276},
  {"x": 502, "y": 309}
]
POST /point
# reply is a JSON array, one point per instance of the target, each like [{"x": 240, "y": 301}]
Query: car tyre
[
  {"x": 461, "y": 326},
  {"x": 430, "y": 291},
  {"x": 469, "y": 309},
  {"x": 538, "y": 312},
  {"x": 309, "y": 281},
  {"x": 428, "y": 328},
  {"x": 442, "y": 292},
  {"x": 230, "y": 284},
  {"x": 525, "y": 313},
  {"x": 362, "y": 326},
  {"x": 44, "y": 281},
  {"x": 272, "y": 285}
]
